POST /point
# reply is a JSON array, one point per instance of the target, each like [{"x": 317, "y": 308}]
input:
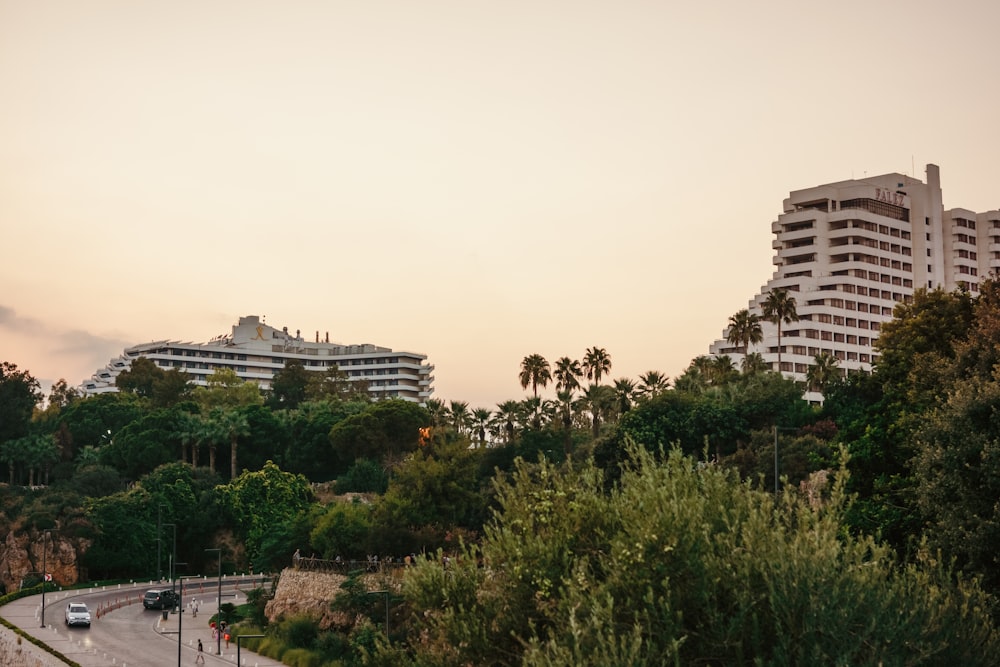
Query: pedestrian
[
  {"x": 227, "y": 639},
  {"x": 200, "y": 660}
]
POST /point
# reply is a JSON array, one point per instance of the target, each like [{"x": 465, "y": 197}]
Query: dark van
[{"x": 159, "y": 598}]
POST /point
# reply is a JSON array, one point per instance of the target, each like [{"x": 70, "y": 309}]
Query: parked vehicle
[
  {"x": 159, "y": 598},
  {"x": 77, "y": 614}
]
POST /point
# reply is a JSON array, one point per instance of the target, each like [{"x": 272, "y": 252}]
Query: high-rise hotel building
[
  {"x": 256, "y": 351},
  {"x": 848, "y": 252}
]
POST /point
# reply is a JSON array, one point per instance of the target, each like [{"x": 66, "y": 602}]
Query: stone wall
[
  {"x": 16, "y": 651},
  {"x": 305, "y": 592}
]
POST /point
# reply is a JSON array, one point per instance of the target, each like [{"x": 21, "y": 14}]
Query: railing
[{"x": 345, "y": 567}]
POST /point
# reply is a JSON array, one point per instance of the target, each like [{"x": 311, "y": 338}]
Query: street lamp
[
  {"x": 45, "y": 572},
  {"x": 180, "y": 615},
  {"x": 159, "y": 541},
  {"x": 240, "y": 638},
  {"x": 218, "y": 612},
  {"x": 173, "y": 558}
]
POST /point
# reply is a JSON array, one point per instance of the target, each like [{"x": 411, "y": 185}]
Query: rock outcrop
[{"x": 23, "y": 554}]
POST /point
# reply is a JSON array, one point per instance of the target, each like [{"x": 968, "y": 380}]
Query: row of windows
[
  {"x": 838, "y": 337},
  {"x": 846, "y": 304},
  {"x": 885, "y": 230}
]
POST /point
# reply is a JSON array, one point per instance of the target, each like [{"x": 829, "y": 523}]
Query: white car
[{"x": 77, "y": 614}]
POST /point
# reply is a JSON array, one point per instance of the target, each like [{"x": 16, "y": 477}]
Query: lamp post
[
  {"x": 45, "y": 572},
  {"x": 180, "y": 615},
  {"x": 240, "y": 638},
  {"x": 159, "y": 541},
  {"x": 218, "y": 612},
  {"x": 173, "y": 558}
]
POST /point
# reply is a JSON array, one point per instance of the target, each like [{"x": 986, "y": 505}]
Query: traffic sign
[{"x": 48, "y": 577}]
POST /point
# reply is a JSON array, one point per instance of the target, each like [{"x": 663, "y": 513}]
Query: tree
[
  {"x": 778, "y": 308},
  {"x": 140, "y": 377},
  {"x": 19, "y": 394},
  {"x": 535, "y": 372},
  {"x": 682, "y": 564},
  {"x": 257, "y": 501},
  {"x": 753, "y": 363},
  {"x": 599, "y": 400},
  {"x": 233, "y": 425},
  {"x": 652, "y": 383},
  {"x": 289, "y": 386},
  {"x": 481, "y": 418},
  {"x": 744, "y": 329},
  {"x": 506, "y": 415},
  {"x": 596, "y": 364},
  {"x": 624, "y": 394},
  {"x": 822, "y": 371},
  {"x": 567, "y": 374},
  {"x": 385, "y": 432},
  {"x": 226, "y": 389},
  {"x": 459, "y": 411}
]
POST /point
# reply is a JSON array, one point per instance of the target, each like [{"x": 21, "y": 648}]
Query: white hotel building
[
  {"x": 256, "y": 351},
  {"x": 848, "y": 252}
]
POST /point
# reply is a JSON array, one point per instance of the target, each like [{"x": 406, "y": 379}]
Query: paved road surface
[{"x": 126, "y": 634}]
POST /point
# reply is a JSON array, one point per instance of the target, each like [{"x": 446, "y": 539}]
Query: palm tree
[
  {"x": 652, "y": 383},
  {"x": 567, "y": 374},
  {"x": 437, "y": 410},
  {"x": 624, "y": 394},
  {"x": 778, "y": 308},
  {"x": 822, "y": 371},
  {"x": 481, "y": 417},
  {"x": 535, "y": 371},
  {"x": 506, "y": 414},
  {"x": 744, "y": 329},
  {"x": 565, "y": 409},
  {"x": 599, "y": 400},
  {"x": 596, "y": 362},
  {"x": 460, "y": 416},
  {"x": 722, "y": 369},
  {"x": 753, "y": 363},
  {"x": 230, "y": 424}
]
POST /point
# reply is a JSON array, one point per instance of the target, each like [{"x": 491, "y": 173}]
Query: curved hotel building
[
  {"x": 848, "y": 252},
  {"x": 256, "y": 351}
]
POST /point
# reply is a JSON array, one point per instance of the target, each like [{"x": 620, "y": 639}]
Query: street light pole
[
  {"x": 45, "y": 534},
  {"x": 240, "y": 638},
  {"x": 218, "y": 612},
  {"x": 173, "y": 559}
]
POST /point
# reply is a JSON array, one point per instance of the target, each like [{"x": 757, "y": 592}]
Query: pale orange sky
[{"x": 476, "y": 181}]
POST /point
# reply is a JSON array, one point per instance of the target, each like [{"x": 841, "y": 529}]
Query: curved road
[{"x": 126, "y": 634}]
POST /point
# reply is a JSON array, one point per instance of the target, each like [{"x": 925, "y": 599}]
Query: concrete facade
[
  {"x": 848, "y": 252},
  {"x": 256, "y": 351}
]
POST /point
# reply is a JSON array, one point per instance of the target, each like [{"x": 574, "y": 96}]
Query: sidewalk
[{"x": 195, "y": 628}]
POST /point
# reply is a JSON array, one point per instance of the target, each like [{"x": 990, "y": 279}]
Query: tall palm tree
[
  {"x": 564, "y": 402},
  {"x": 481, "y": 417},
  {"x": 535, "y": 371},
  {"x": 744, "y": 329},
  {"x": 599, "y": 400},
  {"x": 506, "y": 414},
  {"x": 722, "y": 369},
  {"x": 822, "y": 371},
  {"x": 460, "y": 416},
  {"x": 567, "y": 374},
  {"x": 437, "y": 410},
  {"x": 778, "y": 308},
  {"x": 230, "y": 424},
  {"x": 596, "y": 362},
  {"x": 624, "y": 394},
  {"x": 652, "y": 383},
  {"x": 753, "y": 363}
]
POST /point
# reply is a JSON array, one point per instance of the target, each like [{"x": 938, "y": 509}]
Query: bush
[
  {"x": 682, "y": 563},
  {"x": 365, "y": 476}
]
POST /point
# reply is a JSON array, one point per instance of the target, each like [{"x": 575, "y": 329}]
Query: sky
[{"x": 472, "y": 180}]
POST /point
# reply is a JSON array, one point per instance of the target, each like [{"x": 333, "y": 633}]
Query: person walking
[{"x": 200, "y": 660}]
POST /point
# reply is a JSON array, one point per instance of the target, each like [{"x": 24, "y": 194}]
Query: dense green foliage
[
  {"x": 569, "y": 543},
  {"x": 683, "y": 564}
]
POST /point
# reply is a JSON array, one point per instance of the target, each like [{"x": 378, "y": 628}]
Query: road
[{"x": 125, "y": 634}]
